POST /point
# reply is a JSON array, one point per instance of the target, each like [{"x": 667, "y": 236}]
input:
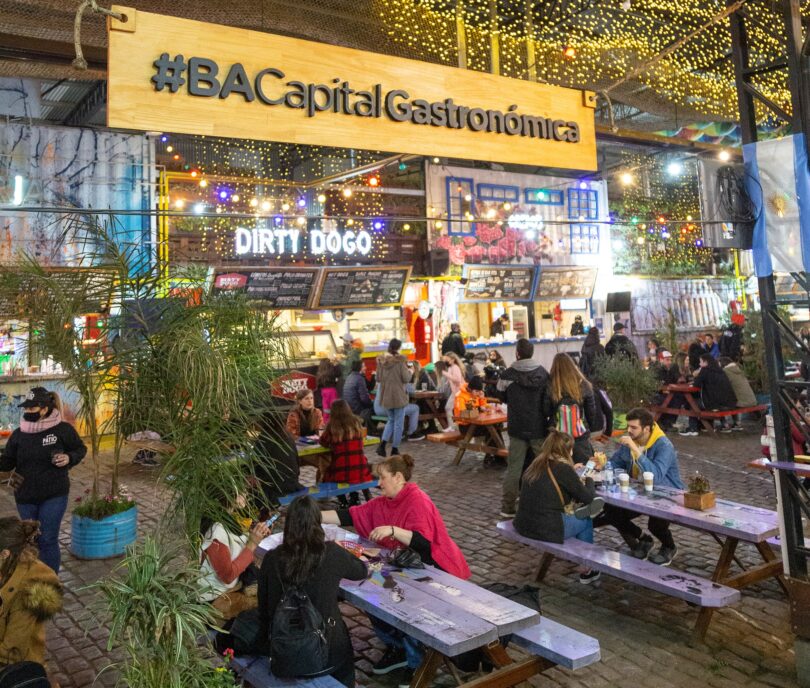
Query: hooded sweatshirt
[
  {"x": 30, "y": 597},
  {"x": 658, "y": 457},
  {"x": 392, "y": 376},
  {"x": 523, "y": 386}
]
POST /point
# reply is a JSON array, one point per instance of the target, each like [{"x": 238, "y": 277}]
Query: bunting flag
[{"x": 779, "y": 185}]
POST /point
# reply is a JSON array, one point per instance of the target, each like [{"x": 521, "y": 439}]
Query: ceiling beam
[{"x": 25, "y": 49}]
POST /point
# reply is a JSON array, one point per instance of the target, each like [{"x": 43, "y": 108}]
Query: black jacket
[
  {"x": 540, "y": 511},
  {"x": 453, "y": 342},
  {"x": 523, "y": 386},
  {"x": 30, "y": 455},
  {"x": 588, "y": 356},
  {"x": 619, "y": 345},
  {"x": 276, "y": 465},
  {"x": 716, "y": 391},
  {"x": 322, "y": 589},
  {"x": 694, "y": 352},
  {"x": 587, "y": 408}
]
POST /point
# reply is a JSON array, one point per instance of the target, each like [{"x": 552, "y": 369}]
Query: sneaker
[
  {"x": 406, "y": 678},
  {"x": 664, "y": 556},
  {"x": 737, "y": 428},
  {"x": 589, "y": 577},
  {"x": 591, "y": 510},
  {"x": 508, "y": 513},
  {"x": 642, "y": 548},
  {"x": 393, "y": 658},
  {"x": 450, "y": 428},
  {"x": 726, "y": 429},
  {"x": 688, "y": 433},
  {"x": 417, "y": 436}
]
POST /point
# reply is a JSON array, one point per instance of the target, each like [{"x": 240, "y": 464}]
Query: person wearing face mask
[{"x": 42, "y": 451}]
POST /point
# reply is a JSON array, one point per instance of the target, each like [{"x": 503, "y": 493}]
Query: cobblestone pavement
[{"x": 645, "y": 636}]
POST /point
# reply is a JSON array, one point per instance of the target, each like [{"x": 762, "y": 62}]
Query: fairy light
[
  {"x": 266, "y": 205},
  {"x": 347, "y": 193},
  {"x": 724, "y": 156},
  {"x": 203, "y": 183},
  {"x": 254, "y": 202},
  {"x": 321, "y": 198},
  {"x": 626, "y": 179}
]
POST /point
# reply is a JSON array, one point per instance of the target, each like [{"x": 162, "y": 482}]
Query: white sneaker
[{"x": 449, "y": 428}]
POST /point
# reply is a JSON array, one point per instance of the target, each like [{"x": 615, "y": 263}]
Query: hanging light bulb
[
  {"x": 347, "y": 192},
  {"x": 724, "y": 156},
  {"x": 626, "y": 179}
]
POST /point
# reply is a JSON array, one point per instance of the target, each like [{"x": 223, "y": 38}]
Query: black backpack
[
  {"x": 299, "y": 645},
  {"x": 24, "y": 674}
]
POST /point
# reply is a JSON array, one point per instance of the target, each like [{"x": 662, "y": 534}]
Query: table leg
[
  {"x": 736, "y": 558},
  {"x": 496, "y": 437},
  {"x": 426, "y": 671},
  {"x": 694, "y": 406},
  {"x": 545, "y": 562},
  {"x": 465, "y": 442},
  {"x": 441, "y": 419},
  {"x": 664, "y": 405},
  {"x": 718, "y": 576},
  {"x": 769, "y": 556}
]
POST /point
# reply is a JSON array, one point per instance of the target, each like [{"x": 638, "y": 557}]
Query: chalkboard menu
[
  {"x": 565, "y": 283},
  {"x": 486, "y": 283},
  {"x": 279, "y": 288},
  {"x": 362, "y": 287}
]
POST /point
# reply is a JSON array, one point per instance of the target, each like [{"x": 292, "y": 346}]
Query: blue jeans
[
  {"x": 579, "y": 528},
  {"x": 393, "y": 637},
  {"x": 49, "y": 514},
  {"x": 411, "y": 412},
  {"x": 394, "y": 426}
]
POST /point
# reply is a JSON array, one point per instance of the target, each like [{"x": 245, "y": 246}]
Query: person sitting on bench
[
  {"x": 716, "y": 394},
  {"x": 551, "y": 487},
  {"x": 742, "y": 388},
  {"x": 644, "y": 448}
]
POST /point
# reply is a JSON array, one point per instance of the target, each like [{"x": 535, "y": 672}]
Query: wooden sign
[
  {"x": 183, "y": 76},
  {"x": 498, "y": 283},
  {"x": 361, "y": 287},
  {"x": 277, "y": 288}
]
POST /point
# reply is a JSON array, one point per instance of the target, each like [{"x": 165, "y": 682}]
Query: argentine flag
[{"x": 779, "y": 185}]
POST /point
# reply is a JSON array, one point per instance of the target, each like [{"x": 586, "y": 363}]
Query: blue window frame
[
  {"x": 583, "y": 203},
  {"x": 498, "y": 192},
  {"x": 458, "y": 190},
  {"x": 584, "y": 238},
  {"x": 543, "y": 197}
]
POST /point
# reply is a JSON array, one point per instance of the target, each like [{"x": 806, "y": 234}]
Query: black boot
[
  {"x": 381, "y": 448},
  {"x": 394, "y": 451}
]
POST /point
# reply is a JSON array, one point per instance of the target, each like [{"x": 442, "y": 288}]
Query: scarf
[
  {"x": 50, "y": 421},
  {"x": 412, "y": 509},
  {"x": 655, "y": 435}
]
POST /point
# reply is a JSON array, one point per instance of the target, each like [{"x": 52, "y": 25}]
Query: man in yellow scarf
[{"x": 644, "y": 448}]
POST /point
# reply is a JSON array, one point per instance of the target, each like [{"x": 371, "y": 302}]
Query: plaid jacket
[{"x": 348, "y": 461}]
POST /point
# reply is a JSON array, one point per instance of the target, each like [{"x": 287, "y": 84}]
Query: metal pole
[
  {"x": 461, "y": 35},
  {"x": 494, "y": 39}
]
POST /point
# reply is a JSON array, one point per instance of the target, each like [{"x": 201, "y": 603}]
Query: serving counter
[{"x": 544, "y": 349}]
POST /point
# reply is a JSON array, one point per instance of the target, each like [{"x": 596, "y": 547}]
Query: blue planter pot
[{"x": 109, "y": 537}]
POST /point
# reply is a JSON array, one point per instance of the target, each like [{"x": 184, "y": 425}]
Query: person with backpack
[
  {"x": 523, "y": 387},
  {"x": 403, "y": 517},
  {"x": 620, "y": 345},
  {"x": 30, "y": 591},
  {"x": 572, "y": 405},
  {"x": 299, "y": 615}
]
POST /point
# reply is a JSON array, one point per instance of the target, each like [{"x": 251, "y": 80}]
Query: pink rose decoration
[
  {"x": 475, "y": 254},
  {"x": 457, "y": 255},
  {"x": 512, "y": 233},
  {"x": 443, "y": 241},
  {"x": 470, "y": 241}
]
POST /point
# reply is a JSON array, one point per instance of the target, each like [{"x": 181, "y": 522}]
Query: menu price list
[
  {"x": 276, "y": 288},
  {"x": 506, "y": 284},
  {"x": 345, "y": 288}
]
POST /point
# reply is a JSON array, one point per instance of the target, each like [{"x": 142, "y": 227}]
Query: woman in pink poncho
[{"x": 403, "y": 517}]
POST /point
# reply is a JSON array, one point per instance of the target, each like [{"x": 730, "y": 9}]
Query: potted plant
[
  {"x": 699, "y": 494},
  {"x": 628, "y": 385},
  {"x": 470, "y": 410}
]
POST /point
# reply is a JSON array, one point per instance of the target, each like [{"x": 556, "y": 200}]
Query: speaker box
[{"x": 437, "y": 262}]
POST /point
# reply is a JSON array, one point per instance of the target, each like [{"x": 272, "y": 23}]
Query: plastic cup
[
  {"x": 648, "y": 481},
  {"x": 424, "y": 387},
  {"x": 624, "y": 482}
]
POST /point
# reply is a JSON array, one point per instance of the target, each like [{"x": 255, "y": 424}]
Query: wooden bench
[
  {"x": 444, "y": 437},
  {"x": 256, "y": 672},
  {"x": 327, "y": 490},
  {"x": 558, "y": 644},
  {"x": 692, "y": 589}
]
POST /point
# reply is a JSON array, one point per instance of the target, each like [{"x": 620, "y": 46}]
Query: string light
[
  {"x": 347, "y": 193},
  {"x": 254, "y": 202},
  {"x": 321, "y": 198},
  {"x": 169, "y": 149},
  {"x": 266, "y": 205},
  {"x": 724, "y": 156},
  {"x": 179, "y": 204},
  {"x": 373, "y": 181},
  {"x": 569, "y": 52},
  {"x": 203, "y": 183},
  {"x": 626, "y": 179}
]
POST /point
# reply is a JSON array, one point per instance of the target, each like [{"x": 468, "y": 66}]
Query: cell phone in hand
[
  {"x": 270, "y": 521},
  {"x": 588, "y": 469}
]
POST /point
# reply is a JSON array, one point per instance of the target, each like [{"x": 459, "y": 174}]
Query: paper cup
[
  {"x": 624, "y": 482},
  {"x": 648, "y": 481}
]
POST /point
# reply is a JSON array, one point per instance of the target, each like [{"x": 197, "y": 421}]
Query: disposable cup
[
  {"x": 648, "y": 481},
  {"x": 624, "y": 482}
]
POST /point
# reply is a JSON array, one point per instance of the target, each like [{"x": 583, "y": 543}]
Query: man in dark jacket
[
  {"x": 696, "y": 349},
  {"x": 454, "y": 342},
  {"x": 716, "y": 393},
  {"x": 355, "y": 393},
  {"x": 523, "y": 386},
  {"x": 620, "y": 345}
]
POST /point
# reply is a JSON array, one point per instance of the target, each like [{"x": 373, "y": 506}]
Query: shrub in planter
[
  {"x": 628, "y": 384},
  {"x": 103, "y": 527},
  {"x": 699, "y": 495}
]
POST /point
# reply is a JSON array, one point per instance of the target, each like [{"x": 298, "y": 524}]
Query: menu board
[
  {"x": 499, "y": 283},
  {"x": 565, "y": 283},
  {"x": 362, "y": 287},
  {"x": 278, "y": 288}
]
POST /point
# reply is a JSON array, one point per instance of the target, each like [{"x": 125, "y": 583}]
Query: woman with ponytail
[
  {"x": 30, "y": 591},
  {"x": 42, "y": 451}
]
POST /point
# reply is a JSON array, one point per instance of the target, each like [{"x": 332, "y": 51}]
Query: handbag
[
  {"x": 407, "y": 558},
  {"x": 569, "y": 508}
]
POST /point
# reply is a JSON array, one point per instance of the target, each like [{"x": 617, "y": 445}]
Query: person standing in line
[
  {"x": 592, "y": 351},
  {"x": 523, "y": 386},
  {"x": 572, "y": 405},
  {"x": 42, "y": 450},
  {"x": 620, "y": 345},
  {"x": 392, "y": 375},
  {"x": 454, "y": 342},
  {"x": 454, "y": 374}
]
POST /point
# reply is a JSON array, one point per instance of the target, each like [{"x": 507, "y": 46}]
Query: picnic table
[
  {"x": 705, "y": 416},
  {"x": 451, "y": 616},
  {"x": 318, "y": 456},
  {"x": 492, "y": 421},
  {"x": 729, "y": 523},
  {"x": 433, "y": 401}
]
